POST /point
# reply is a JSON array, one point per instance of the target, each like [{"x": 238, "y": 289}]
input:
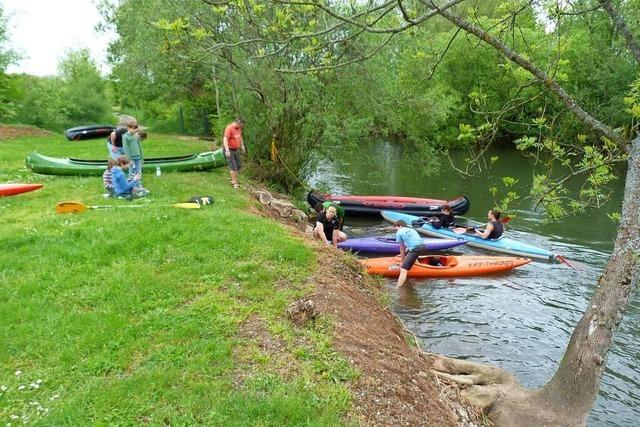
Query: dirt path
[{"x": 12, "y": 131}]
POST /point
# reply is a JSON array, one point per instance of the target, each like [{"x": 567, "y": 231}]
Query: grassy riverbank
[{"x": 155, "y": 315}]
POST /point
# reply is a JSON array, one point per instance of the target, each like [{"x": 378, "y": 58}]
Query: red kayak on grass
[
  {"x": 13, "y": 189},
  {"x": 372, "y": 205}
]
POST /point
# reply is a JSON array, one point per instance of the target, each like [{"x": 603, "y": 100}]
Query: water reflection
[
  {"x": 522, "y": 320},
  {"x": 409, "y": 299}
]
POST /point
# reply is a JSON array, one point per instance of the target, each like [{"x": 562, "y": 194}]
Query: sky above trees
[{"x": 44, "y": 31}]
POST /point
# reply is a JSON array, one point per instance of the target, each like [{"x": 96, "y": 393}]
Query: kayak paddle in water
[{"x": 503, "y": 244}]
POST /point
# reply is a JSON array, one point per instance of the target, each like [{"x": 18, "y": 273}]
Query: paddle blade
[
  {"x": 202, "y": 200},
  {"x": 186, "y": 205},
  {"x": 462, "y": 230},
  {"x": 505, "y": 220},
  {"x": 563, "y": 260},
  {"x": 70, "y": 207}
]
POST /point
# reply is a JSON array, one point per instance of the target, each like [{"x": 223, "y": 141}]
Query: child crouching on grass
[
  {"x": 122, "y": 187},
  {"x": 107, "y": 179}
]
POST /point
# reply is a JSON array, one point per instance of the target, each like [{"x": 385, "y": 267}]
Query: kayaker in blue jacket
[
  {"x": 494, "y": 228},
  {"x": 411, "y": 247},
  {"x": 122, "y": 186}
]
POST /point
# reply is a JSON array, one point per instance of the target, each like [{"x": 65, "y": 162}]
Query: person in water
[
  {"x": 445, "y": 219},
  {"x": 411, "y": 246},
  {"x": 327, "y": 227},
  {"x": 494, "y": 228}
]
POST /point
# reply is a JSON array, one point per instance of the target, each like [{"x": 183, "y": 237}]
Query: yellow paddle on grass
[{"x": 79, "y": 207}]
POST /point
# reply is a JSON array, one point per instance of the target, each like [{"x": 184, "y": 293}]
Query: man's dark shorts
[
  {"x": 234, "y": 160},
  {"x": 411, "y": 256}
]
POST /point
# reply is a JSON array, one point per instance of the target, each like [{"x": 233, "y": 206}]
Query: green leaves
[
  {"x": 632, "y": 101},
  {"x": 508, "y": 181},
  {"x": 466, "y": 133},
  {"x": 508, "y": 193},
  {"x": 7, "y": 56},
  {"x": 78, "y": 96},
  {"x": 614, "y": 216},
  {"x": 549, "y": 195},
  {"x": 527, "y": 142}
]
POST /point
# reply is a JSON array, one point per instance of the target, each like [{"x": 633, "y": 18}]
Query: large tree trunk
[
  {"x": 576, "y": 382},
  {"x": 217, "y": 90},
  {"x": 621, "y": 25},
  {"x": 567, "y": 399}
]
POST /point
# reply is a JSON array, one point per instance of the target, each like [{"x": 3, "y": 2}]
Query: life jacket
[{"x": 498, "y": 229}]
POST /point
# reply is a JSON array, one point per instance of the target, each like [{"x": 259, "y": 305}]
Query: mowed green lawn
[{"x": 133, "y": 316}]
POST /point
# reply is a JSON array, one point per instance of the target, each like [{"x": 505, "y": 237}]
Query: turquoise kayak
[{"x": 503, "y": 244}]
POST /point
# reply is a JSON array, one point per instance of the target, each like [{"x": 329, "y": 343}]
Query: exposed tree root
[{"x": 499, "y": 395}]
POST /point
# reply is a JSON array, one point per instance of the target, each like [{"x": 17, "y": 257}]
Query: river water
[{"x": 522, "y": 320}]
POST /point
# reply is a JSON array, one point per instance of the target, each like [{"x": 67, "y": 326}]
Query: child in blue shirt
[{"x": 123, "y": 187}]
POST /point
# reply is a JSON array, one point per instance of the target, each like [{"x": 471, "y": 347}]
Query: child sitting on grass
[
  {"x": 107, "y": 179},
  {"x": 121, "y": 186}
]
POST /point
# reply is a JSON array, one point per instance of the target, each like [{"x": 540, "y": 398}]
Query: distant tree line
[
  {"x": 308, "y": 82},
  {"x": 77, "y": 95}
]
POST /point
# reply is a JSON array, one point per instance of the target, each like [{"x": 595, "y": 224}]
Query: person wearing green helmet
[
  {"x": 322, "y": 206},
  {"x": 327, "y": 226}
]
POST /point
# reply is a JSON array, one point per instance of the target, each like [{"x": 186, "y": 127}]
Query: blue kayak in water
[
  {"x": 389, "y": 246},
  {"x": 503, "y": 244}
]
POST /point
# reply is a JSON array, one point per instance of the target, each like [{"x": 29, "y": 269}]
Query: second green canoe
[{"x": 46, "y": 165}]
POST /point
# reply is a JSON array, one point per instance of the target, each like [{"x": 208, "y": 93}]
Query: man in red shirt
[{"x": 232, "y": 141}]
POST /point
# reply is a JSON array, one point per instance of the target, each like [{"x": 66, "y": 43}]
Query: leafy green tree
[
  {"x": 84, "y": 93},
  {"x": 7, "y": 56},
  {"x": 40, "y": 102},
  {"x": 78, "y": 96},
  {"x": 194, "y": 59}
]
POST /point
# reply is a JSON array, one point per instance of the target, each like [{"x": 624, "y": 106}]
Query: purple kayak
[{"x": 388, "y": 245}]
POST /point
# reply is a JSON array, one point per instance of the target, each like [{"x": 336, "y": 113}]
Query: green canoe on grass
[{"x": 46, "y": 165}]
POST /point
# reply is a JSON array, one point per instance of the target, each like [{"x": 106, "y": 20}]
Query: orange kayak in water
[{"x": 444, "y": 265}]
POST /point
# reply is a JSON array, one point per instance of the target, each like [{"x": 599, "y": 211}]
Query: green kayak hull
[{"x": 46, "y": 165}]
